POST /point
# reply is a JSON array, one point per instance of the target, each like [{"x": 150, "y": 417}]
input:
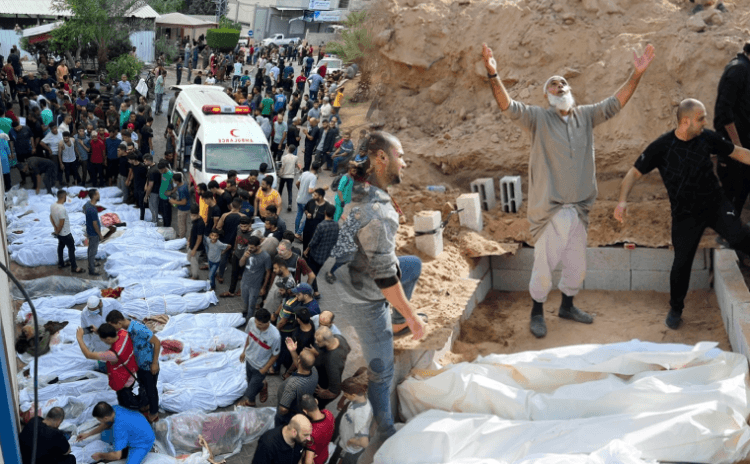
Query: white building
[{"x": 293, "y": 18}]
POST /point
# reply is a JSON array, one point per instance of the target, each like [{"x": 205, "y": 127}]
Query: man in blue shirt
[
  {"x": 93, "y": 229},
  {"x": 122, "y": 428},
  {"x": 279, "y": 102},
  {"x": 124, "y": 85},
  {"x": 309, "y": 61},
  {"x": 314, "y": 81},
  {"x": 288, "y": 70},
  {"x": 112, "y": 163},
  {"x": 147, "y": 350}
]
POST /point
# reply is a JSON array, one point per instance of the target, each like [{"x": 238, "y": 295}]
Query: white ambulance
[{"x": 216, "y": 135}]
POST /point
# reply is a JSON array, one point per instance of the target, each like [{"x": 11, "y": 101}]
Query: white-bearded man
[{"x": 562, "y": 181}]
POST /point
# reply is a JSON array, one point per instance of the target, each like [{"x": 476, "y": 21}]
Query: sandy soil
[{"x": 500, "y": 324}]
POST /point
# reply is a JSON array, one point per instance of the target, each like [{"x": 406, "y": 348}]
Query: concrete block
[
  {"x": 511, "y": 280},
  {"x": 481, "y": 266},
  {"x": 511, "y": 195},
  {"x": 729, "y": 285},
  {"x": 471, "y": 216},
  {"x": 660, "y": 259},
  {"x": 601, "y": 279},
  {"x": 740, "y": 334},
  {"x": 608, "y": 259},
  {"x": 522, "y": 260},
  {"x": 485, "y": 187},
  {"x": 658, "y": 281},
  {"x": 429, "y": 244}
]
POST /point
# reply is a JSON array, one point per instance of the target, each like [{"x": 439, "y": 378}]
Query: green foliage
[
  {"x": 124, "y": 64},
  {"x": 222, "y": 39},
  {"x": 202, "y": 7},
  {"x": 101, "y": 22},
  {"x": 168, "y": 47},
  {"x": 356, "y": 38},
  {"x": 167, "y": 6},
  {"x": 226, "y": 23}
]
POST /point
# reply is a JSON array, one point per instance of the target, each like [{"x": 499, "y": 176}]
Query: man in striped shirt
[{"x": 261, "y": 351}]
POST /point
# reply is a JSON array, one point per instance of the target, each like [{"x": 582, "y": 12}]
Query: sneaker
[
  {"x": 538, "y": 327},
  {"x": 673, "y": 320},
  {"x": 575, "y": 314}
]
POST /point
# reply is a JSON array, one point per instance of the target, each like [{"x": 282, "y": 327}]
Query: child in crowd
[{"x": 214, "y": 249}]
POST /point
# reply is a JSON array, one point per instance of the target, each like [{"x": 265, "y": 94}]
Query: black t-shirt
[
  {"x": 146, "y": 134},
  {"x": 198, "y": 228},
  {"x": 278, "y": 234},
  {"x": 330, "y": 366},
  {"x": 231, "y": 223},
  {"x": 40, "y": 166},
  {"x": 213, "y": 211},
  {"x": 304, "y": 339},
  {"x": 51, "y": 443},
  {"x": 140, "y": 121},
  {"x": 140, "y": 173},
  {"x": 124, "y": 166},
  {"x": 224, "y": 201},
  {"x": 273, "y": 449},
  {"x": 292, "y": 132},
  {"x": 92, "y": 93},
  {"x": 687, "y": 170},
  {"x": 106, "y": 100},
  {"x": 154, "y": 176}
]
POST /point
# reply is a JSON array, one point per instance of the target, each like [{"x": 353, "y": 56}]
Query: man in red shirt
[
  {"x": 301, "y": 80},
  {"x": 250, "y": 185},
  {"x": 98, "y": 159},
  {"x": 322, "y": 430}
]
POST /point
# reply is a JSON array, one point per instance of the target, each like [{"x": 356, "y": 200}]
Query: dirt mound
[
  {"x": 435, "y": 96},
  {"x": 431, "y": 67}
]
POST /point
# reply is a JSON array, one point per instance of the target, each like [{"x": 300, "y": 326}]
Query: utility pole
[{"x": 221, "y": 9}]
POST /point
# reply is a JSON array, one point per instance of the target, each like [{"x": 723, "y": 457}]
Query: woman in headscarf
[{"x": 212, "y": 63}]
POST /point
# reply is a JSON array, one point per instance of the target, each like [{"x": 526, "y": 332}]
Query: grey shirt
[
  {"x": 291, "y": 390},
  {"x": 214, "y": 249},
  {"x": 375, "y": 240},
  {"x": 255, "y": 269},
  {"x": 562, "y": 169}
]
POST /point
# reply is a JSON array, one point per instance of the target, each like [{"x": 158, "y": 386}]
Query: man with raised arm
[
  {"x": 683, "y": 158},
  {"x": 562, "y": 180}
]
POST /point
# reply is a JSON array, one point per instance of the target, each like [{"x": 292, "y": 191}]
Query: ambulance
[{"x": 216, "y": 135}]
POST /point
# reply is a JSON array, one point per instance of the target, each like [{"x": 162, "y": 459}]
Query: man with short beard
[
  {"x": 562, "y": 181},
  {"x": 284, "y": 444}
]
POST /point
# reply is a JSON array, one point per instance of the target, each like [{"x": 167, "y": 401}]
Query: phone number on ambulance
[{"x": 235, "y": 140}]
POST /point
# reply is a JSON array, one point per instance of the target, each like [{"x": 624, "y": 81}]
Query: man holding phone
[{"x": 94, "y": 315}]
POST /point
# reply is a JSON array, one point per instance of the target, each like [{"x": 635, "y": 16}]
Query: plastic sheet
[
  {"x": 160, "y": 286},
  {"x": 183, "y": 322},
  {"x": 202, "y": 340},
  {"x": 225, "y": 432},
  {"x": 168, "y": 304},
  {"x": 672, "y": 402},
  {"x": 56, "y": 286},
  {"x": 206, "y": 382}
]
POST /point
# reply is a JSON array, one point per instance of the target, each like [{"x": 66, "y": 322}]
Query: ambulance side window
[{"x": 198, "y": 152}]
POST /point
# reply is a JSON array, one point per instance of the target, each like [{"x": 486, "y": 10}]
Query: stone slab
[
  {"x": 658, "y": 281},
  {"x": 660, "y": 259},
  {"x": 607, "y": 280},
  {"x": 606, "y": 258}
]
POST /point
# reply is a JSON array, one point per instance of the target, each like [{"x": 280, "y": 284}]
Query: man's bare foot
[{"x": 245, "y": 402}]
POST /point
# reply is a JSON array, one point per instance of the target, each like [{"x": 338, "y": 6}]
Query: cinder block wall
[{"x": 606, "y": 269}]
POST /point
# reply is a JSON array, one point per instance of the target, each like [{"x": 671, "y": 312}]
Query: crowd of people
[{"x": 274, "y": 268}]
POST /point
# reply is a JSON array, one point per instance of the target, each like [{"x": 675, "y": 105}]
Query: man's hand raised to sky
[
  {"x": 489, "y": 61},
  {"x": 642, "y": 62}
]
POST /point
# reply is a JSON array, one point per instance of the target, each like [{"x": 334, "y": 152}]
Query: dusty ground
[{"x": 501, "y": 323}]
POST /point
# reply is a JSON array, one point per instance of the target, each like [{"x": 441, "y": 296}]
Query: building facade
[{"x": 293, "y": 18}]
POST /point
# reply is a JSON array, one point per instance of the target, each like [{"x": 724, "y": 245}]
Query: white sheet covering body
[{"x": 672, "y": 402}]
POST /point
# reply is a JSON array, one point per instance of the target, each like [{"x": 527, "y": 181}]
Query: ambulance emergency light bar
[{"x": 222, "y": 109}]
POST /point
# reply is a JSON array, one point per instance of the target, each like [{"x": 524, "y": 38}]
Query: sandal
[
  {"x": 407, "y": 330},
  {"x": 220, "y": 279},
  {"x": 264, "y": 393},
  {"x": 227, "y": 295},
  {"x": 271, "y": 371},
  {"x": 330, "y": 278},
  {"x": 78, "y": 271}
]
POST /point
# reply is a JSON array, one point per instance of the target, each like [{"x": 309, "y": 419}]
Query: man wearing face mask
[{"x": 562, "y": 180}]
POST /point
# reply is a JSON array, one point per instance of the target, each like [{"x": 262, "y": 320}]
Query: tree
[
  {"x": 101, "y": 22},
  {"x": 356, "y": 46},
  {"x": 202, "y": 7},
  {"x": 167, "y": 6},
  {"x": 226, "y": 23}
]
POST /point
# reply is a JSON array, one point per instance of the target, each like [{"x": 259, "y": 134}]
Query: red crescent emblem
[{"x": 233, "y": 134}]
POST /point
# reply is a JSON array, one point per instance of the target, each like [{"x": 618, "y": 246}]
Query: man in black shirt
[
  {"x": 41, "y": 170},
  {"x": 330, "y": 361},
  {"x": 223, "y": 198},
  {"x": 195, "y": 244},
  {"x": 683, "y": 158},
  {"x": 732, "y": 120},
  {"x": 214, "y": 212},
  {"x": 52, "y": 446},
  {"x": 312, "y": 138},
  {"x": 151, "y": 196},
  {"x": 284, "y": 444},
  {"x": 138, "y": 178},
  {"x": 292, "y": 132}
]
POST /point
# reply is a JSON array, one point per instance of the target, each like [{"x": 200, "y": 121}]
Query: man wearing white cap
[
  {"x": 94, "y": 315},
  {"x": 562, "y": 180}
]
